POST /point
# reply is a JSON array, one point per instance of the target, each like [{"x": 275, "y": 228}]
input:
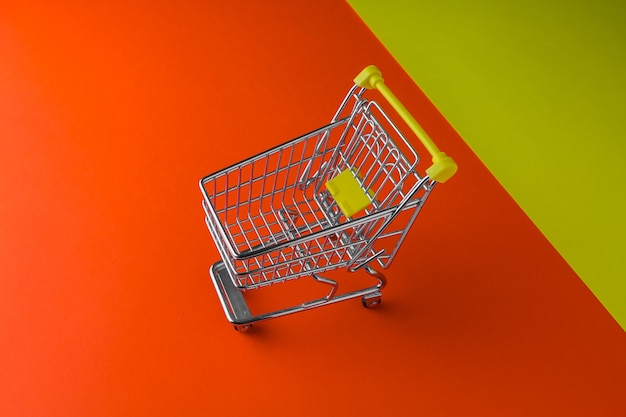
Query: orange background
[{"x": 111, "y": 113}]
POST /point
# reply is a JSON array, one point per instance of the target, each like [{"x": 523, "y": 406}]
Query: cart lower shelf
[{"x": 239, "y": 314}]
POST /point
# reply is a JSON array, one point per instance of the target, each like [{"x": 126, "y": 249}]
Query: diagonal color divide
[
  {"x": 111, "y": 112},
  {"x": 536, "y": 89}
]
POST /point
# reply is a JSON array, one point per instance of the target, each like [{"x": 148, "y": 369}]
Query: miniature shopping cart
[{"x": 342, "y": 196}]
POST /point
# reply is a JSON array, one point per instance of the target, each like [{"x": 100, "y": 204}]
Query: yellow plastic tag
[{"x": 348, "y": 194}]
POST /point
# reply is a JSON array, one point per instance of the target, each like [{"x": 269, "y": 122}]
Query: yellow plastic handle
[{"x": 443, "y": 166}]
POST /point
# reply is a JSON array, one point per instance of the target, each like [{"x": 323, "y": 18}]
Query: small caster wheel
[
  {"x": 371, "y": 302},
  {"x": 242, "y": 328}
]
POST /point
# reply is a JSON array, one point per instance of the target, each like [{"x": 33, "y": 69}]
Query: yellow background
[{"x": 537, "y": 89}]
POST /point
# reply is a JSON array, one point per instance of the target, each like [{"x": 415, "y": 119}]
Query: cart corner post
[{"x": 443, "y": 167}]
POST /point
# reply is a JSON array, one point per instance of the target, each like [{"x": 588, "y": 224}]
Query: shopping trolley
[{"x": 342, "y": 196}]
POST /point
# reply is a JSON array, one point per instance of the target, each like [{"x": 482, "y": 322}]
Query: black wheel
[
  {"x": 242, "y": 328},
  {"x": 371, "y": 302}
]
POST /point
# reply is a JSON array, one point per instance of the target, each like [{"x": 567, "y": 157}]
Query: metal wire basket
[{"x": 342, "y": 196}]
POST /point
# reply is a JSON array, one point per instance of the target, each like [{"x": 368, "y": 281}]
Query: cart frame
[{"x": 342, "y": 196}]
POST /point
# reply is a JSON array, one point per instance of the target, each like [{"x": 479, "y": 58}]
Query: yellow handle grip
[{"x": 443, "y": 166}]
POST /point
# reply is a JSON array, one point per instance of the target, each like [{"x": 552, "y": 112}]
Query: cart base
[{"x": 238, "y": 313}]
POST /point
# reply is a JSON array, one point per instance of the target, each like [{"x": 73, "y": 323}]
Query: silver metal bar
[
  {"x": 334, "y": 285},
  {"x": 367, "y": 260},
  {"x": 237, "y": 311}
]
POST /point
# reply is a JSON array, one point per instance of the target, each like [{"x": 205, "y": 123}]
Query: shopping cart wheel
[
  {"x": 371, "y": 301},
  {"x": 242, "y": 328}
]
